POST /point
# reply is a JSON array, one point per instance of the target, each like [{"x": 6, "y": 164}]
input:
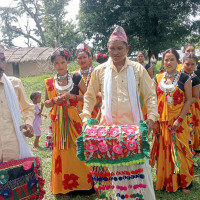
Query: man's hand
[
  {"x": 149, "y": 123},
  {"x": 84, "y": 125},
  {"x": 176, "y": 125},
  {"x": 28, "y": 130}
]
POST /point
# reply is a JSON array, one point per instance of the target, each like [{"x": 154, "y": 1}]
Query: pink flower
[
  {"x": 127, "y": 130},
  {"x": 114, "y": 132},
  {"x": 131, "y": 145},
  {"x": 102, "y": 132},
  {"x": 91, "y": 132},
  {"x": 117, "y": 149},
  {"x": 90, "y": 147},
  {"x": 103, "y": 147}
]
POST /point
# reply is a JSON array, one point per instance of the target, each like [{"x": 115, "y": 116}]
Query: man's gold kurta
[
  {"x": 120, "y": 103},
  {"x": 9, "y": 146}
]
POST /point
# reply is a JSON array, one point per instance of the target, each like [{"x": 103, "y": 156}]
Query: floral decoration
[
  {"x": 103, "y": 147},
  {"x": 6, "y": 194},
  {"x": 49, "y": 82},
  {"x": 92, "y": 132},
  {"x": 90, "y": 147},
  {"x": 102, "y": 132},
  {"x": 131, "y": 145},
  {"x": 70, "y": 181},
  {"x": 114, "y": 132},
  {"x": 117, "y": 149},
  {"x": 90, "y": 178},
  {"x": 3, "y": 176},
  {"x": 197, "y": 105},
  {"x": 111, "y": 142},
  {"x": 58, "y": 165},
  {"x": 178, "y": 97}
]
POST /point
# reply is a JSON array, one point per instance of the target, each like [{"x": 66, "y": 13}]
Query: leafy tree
[
  {"x": 150, "y": 25},
  {"x": 51, "y": 27}
]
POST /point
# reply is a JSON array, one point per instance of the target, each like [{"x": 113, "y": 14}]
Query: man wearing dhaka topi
[
  {"x": 120, "y": 81},
  {"x": 13, "y": 102}
]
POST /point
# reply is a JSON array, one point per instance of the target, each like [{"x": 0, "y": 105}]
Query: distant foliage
[
  {"x": 51, "y": 26},
  {"x": 151, "y": 25}
]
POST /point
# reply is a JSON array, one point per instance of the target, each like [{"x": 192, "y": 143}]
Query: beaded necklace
[
  {"x": 89, "y": 72},
  {"x": 190, "y": 75},
  {"x": 169, "y": 88},
  {"x": 171, "y": 75},
  {"x": 59, "y": 77},
  {"x": 67, "y": 88}
]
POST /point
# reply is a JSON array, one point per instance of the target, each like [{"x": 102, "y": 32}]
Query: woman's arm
[
  {"x": 195, "y": 93},
  {"x": 55, "y": 100},
  {"x": 186, "y": 106},
  {"x": 150, "y": 72},
  {"x": 83, "y": 90}
]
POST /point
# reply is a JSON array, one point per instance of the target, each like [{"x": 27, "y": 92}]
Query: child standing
[{"x": 36, "y": 98}]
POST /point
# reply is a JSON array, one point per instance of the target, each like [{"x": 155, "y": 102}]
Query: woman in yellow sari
[
  {"x": 171, "y": 145},
  {"x": 83, "y": 56},
  {"x": 189, "y": 65},
  {"x": 68, "y": 173}
]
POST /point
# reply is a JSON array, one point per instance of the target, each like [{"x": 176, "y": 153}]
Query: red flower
[
  {"x": 197, "y": 105},
  {"x": 180, "y": 130},
  {"x": 49, "y": 82},
  {"x": 191, "y": 171},
  {"x": 70, "y": 181},
  {"x": 182, "y": 180},
  {"x": 78, "y": 126},
  {"x": 168, "y": 182},
  {"x": 90, "y": 178},
  {"x": 159, "y": 91},
  {"x": 53, "y": 117},
  {"x": 160, "y": 108},
  {"x": 178, "y": 97},
  {"x": 58, "y": 165},
  {"x": 99, "y": 54},
  {"x": 195, "y": 120}
]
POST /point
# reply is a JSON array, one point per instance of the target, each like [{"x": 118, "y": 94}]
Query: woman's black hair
[
  {"x": 141, "y": 53},
  {"x": 102, "y": 58},
  {"x": 186, "y": 46},
  {"x": 82, "y": 50},
  {"x": 34, "y": 95},
  {"x": 191, "y": 56},
  {"x": 63, "y": 53},
  {"x": 173, "y": 51}
]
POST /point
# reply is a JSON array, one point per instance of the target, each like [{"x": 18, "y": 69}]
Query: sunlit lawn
[{"x": 37, "y": 83}]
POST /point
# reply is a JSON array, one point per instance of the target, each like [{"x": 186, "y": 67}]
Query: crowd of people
[{"x": 119, "y": 91}]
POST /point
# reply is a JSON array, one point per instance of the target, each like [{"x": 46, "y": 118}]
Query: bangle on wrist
[
  {"x": 180, "y": 119},
  {"x": 52, "y": 100}
]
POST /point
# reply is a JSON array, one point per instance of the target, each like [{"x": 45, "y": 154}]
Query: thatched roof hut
[{"x": 28, "y": 61}]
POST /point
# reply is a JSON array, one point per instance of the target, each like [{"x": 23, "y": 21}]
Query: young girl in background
[{"x": 36, "y": 99}]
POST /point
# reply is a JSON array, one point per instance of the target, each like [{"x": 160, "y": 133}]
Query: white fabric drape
[
  {"x": 132, "y": 89},
  {"x": 14, "y": 108}
]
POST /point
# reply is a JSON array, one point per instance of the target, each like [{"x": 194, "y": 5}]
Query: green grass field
[{"x": 37, "y": 83}]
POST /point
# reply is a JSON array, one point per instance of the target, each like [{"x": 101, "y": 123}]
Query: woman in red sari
[{"x": 171, "y": 145}]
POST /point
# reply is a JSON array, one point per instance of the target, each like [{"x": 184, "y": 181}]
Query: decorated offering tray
[
  {"x": 21, "y": 179},
  {"x": 113, "y": 145}
]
